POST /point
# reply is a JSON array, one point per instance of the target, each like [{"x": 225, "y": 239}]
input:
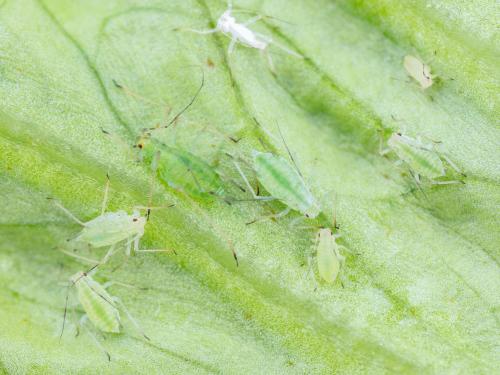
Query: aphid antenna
[
  {"x": 135, "y": 95},
  {"x": 98, "y": 344},
  {"x": 186, "y": 107},
  {"x": 288, "y": 150}
]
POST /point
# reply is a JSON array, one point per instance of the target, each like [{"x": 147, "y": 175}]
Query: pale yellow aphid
[
  {"x": 419, "y": 71},
  {"x": 328, "y": 257}
]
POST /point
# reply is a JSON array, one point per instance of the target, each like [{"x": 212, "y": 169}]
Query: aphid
[
  {"x": 329, "y": 259},
  {"x": 181, "y": 169},
  {"x": 240, "y": 32},
  {"x": 101, "y": 309},
  {"x": 419, "y": 71},
  {"x": 111, "y": 229},
  {"x": 283, "y": 181},
  {"x": 422, "y": 158}
]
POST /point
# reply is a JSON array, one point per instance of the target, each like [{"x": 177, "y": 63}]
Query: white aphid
[
  {"x": 419, "y": 71},
  {"x": 240, "y": 32},
  {"x": 111, "y": 229}
]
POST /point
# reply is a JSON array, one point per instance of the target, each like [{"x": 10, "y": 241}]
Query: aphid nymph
[
  {"x": 419, "y": 71},
  {"x": 423, "y": 159},
  {"x": 329, "y": 259},
  {"x": 100, "y": 307}
]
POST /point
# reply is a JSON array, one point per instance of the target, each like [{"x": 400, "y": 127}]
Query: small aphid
[
  {"x": 419, "y": 71},
  {"x": 329, "y": 259},
  {"x": 422, "y": 158},
  {"x": 101, "y": 309},
  {"x": 240, "y": 32},
  {"x": 111, "y": 229},
  {"x": 283, "y": 181}
]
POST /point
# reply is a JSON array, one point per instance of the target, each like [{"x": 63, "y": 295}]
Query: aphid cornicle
[
  {"x": 419, "y": 71},
  {"x": 422, "y": 158},
  {"x": 241, "y": 33},
  {"x": 282, "y": 180},
  {"x": 111, "y": 229}
]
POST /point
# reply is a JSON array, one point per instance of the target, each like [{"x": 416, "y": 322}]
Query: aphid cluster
[{"x": 186, "y": 172}]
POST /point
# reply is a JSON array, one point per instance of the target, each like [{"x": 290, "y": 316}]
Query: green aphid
[
  {"x": 100, "y": 307},
  {"x": 422, "y": 158},
  {"x": 328, "y": 257},
  {"x": 283, "y": 181},
  {"x": 181, "y": 169},
  {"x": 97, "y": 303}
]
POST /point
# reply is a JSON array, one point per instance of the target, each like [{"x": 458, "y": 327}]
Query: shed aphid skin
[
  {"x": 423, "y": 159},
  {"x": 111, "y": 229},
  {"x": 241, "y": 33},
  {"x": 101, "y": 308},
  {"x": 419, "y": 71},
  {"x": 283, "y": 181}
]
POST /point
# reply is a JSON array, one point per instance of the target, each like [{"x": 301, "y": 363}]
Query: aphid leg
[
  {"x": 67, "y": 212},
  {"x": 452, "y": 182},
  {"x": 105, "y": 198},
  {"x": 265, "y": 53},
  {"x": 273, "y": 216},
  {"x": 94, "y": 338},
  {"x": 85, "y": 259},
  {"x": 203, "y": 32},
  {"x": 137, "y": 250},
  {"x": 65, "y": 310},
  {"x": 255, "y": 196},
  {"x": 453, "y": 165},
  {"x": 108, "y": 255},
  {"x": 232, "y": 44},
  {"x": 131, "y": 318},
  {"x": 269, "y": 40}
]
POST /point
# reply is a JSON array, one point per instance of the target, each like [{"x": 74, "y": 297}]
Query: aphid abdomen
[
  {"x": 328, "y": 262},
  {"x": 108, "y": 229},
  {"x": 98, "y": 305},
  {"x": 424, "y": 162},
  {"x": 282, "y": 181}
]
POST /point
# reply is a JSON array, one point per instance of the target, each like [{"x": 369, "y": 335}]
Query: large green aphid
[
  {"x": 181, "y": 169},
  {"x": 423, "y": 159},
  {"x": 283, "y": 181}
]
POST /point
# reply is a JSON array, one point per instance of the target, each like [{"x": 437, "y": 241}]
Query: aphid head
[
  {"x": 138, "y": 221},
  {"x": 226, "y": 21},
  {"x": 312, "y": 211}
]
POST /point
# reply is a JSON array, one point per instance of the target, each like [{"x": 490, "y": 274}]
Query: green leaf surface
[{"x": 419, "y": 291}]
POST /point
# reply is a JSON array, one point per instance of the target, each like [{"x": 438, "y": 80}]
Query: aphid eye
[
  {"x": 399, "y": 134},
  {"x": 307, "y": 215},
  {"x": 134, "y": 219}
]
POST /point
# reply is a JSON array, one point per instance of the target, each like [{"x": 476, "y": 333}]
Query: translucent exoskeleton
[
  {"x": 111, "y": 229},
  {"x": 241, "y": 33},
  {"x": 419, "y": 71},
  {"x": 423, "y": 159},
  {"x": 328, "y": 257},
  {"x": 101, "y": 308},
  {"x": 283, "y": 181}
]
